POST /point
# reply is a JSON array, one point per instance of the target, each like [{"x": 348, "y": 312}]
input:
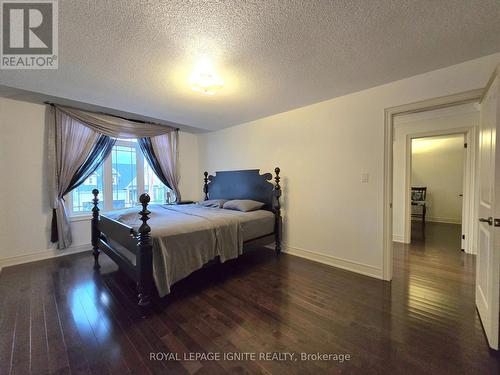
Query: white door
[{"x": 488, "y": 246}]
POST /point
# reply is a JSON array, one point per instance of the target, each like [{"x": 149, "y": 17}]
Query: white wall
[
  {"x": 439, "y": 120},
  {"x": 26, "y": 217},
  {"x": 191, "y": 184},
  {"x": 323, "y": 149},
  {"x": 438, "y": 164}
]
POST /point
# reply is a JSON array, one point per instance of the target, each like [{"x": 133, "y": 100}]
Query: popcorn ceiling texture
[{"x": 274, "y": 56}]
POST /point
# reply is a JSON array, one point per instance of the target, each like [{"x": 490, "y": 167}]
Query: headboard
[{"x": 242, "y": 184}]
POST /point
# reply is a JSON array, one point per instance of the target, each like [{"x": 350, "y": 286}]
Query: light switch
[{"x": 365, "y": 177}]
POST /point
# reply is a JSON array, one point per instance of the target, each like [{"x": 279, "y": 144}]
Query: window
[
  {"x": 81, "y": 198},
  {"x": 92, "y": 180},
  {"x": 158, "y": 192},
  {"x": 124, "y": 175}
]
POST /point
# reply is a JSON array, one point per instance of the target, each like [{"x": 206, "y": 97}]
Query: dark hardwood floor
[{"x": 57, "y": 316}]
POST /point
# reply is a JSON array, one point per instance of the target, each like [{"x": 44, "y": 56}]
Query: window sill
[{"x": 76, "y": 218}]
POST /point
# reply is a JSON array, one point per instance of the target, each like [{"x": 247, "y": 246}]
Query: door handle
[{"x": 488, "y": 220}]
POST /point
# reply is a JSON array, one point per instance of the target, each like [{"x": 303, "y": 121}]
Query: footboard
[
  {"x": 131, "y": 250},
  {"x": 120, "y": 243}
]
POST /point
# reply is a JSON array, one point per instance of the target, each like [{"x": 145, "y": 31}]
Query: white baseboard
[
  {"x": 348, "y": 265},
  {"x": 472, "y": 251},
  {"x": 398, "y": 238},
  {"x": 446, "y": 220},
  {"x": 41, "y": 255}
]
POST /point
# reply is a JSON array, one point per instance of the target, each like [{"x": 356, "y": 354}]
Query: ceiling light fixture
[{"x": 204, "y": 79}]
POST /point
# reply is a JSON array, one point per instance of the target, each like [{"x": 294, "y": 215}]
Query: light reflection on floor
[
  {"x": 436, "y": 279},
  {"x": 87, "y": 304}
]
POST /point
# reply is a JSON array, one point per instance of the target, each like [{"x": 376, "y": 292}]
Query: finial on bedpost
[
  {"x": 277, "y": 170},
  {"x": 145, "y": 256},
  {"x": 144, "y": 199},
  {"x": 95, "y": 229},
  {"x": 205, "y": 186},
  {"x": 277, "y": 210},
  {"x": 277, "y": 189}
]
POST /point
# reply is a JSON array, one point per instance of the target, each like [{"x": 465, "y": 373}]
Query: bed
[{"x": 163, "y": 244}]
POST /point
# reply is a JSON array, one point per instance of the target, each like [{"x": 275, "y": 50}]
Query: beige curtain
[
  {"x": 115, "y": 127},
  {"x": 69, "y": 145},
  {"x": 72, "y": 136},
  {"x": 165, "y": 148}
]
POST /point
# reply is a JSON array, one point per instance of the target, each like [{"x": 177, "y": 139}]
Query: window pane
[
  {"x": 82, "y": 196},
  {"x": 124, "y": 175},
  {"x": 154, "y": 187}
]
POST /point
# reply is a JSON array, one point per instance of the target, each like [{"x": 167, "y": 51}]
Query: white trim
[
  {"x": 407, "y": 187},
  {"x": 445, "y": 220},
  {"x": 84, "y": 217},
  {"x": 398, "y": 238},
  {"x": 107, "y": 184},
  {"x": 389, "y": 113},
  {"x": 140, "y": 174},
  {"x": 363, "y": 269},
  {"x": 44, "y": 254},
  {"x": 464, "y": 109}
]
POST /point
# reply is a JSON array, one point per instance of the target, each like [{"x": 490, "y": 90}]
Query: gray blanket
[{"x": 185, "y": 237}]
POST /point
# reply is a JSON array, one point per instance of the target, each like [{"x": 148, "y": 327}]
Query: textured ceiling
[{"x": 136, "y": 56}]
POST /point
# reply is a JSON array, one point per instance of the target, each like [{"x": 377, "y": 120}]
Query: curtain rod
[{"x": 108, "y": 114}]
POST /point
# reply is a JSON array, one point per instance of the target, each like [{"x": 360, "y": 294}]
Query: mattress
[
  {"x": 185, "y": 237},
  {"x": 256, "y": 224}
]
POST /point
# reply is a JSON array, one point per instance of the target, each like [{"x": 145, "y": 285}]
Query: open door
[{"x": 488, "y": 244}]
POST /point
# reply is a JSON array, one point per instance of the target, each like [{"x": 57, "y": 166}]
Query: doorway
[
  {"x": 486, "y": 217},
  {"x": 432, "y": 195},
  {"x": 468, "y": 97},
  {"x": 444, "y": 139},
  {"x": 437, "y": 185}
]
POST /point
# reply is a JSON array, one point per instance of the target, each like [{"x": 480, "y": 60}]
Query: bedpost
[
  {"x": 144, "y": 256},
  {"x": 95, "y": 229},
  {"x": 205, "y": 185},
  {"x": 277, "y": 211}
]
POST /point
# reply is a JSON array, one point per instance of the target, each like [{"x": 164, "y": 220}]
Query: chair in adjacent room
[{"x": 418, "y": 199}]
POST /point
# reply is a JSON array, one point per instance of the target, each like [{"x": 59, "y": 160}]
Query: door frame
[
  {"x": 469, "y": 203},
  {"x": 389, "y": 114}
]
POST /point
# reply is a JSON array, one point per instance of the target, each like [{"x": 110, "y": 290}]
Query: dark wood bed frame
[{"x": 132, "y": 250}]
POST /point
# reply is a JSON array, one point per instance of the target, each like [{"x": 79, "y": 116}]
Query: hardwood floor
[{"x": 57, "y": 316}]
